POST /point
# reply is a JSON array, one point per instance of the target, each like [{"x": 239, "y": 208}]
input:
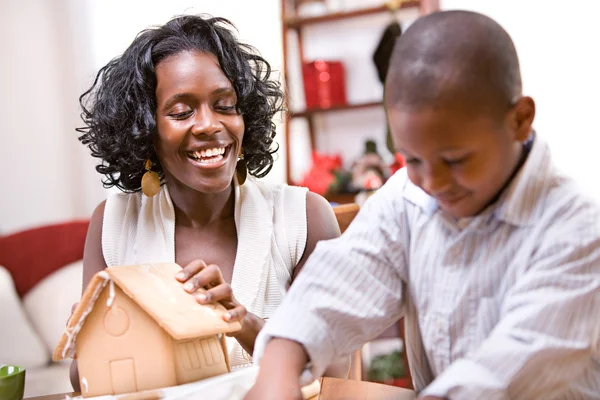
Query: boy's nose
[{"x": 436, "y": 182}]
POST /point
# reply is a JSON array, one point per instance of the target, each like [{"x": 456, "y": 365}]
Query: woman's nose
[{"x": 206, "y": 122}]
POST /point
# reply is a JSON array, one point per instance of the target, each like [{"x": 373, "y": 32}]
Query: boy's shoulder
[{"x": 567, "y": 205}]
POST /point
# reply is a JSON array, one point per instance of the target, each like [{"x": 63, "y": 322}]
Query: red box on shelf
[{"x": 324, "y": 84}]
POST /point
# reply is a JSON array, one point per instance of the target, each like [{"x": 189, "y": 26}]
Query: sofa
[{"x": 40, "y": 279}]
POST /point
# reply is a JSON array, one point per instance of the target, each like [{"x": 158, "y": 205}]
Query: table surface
[{"x": 332, "y": 389}]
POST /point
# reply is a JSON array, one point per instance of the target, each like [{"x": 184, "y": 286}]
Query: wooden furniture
[
  {"x": 331, "y": 389},
  {"x": 345, "y": 214},
  {"x": 291, "y": 22}
]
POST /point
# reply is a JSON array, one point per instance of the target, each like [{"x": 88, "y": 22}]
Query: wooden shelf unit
[
  {"x": 313, "y": 111},
  {"x": 296, "y": 23},
  {"x": 291, "y": 22}
]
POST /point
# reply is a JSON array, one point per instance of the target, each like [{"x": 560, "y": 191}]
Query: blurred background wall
[{"x": 50, "y": 51}]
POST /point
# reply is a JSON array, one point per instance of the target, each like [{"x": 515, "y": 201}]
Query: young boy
[{"x": 490, "y": 254}]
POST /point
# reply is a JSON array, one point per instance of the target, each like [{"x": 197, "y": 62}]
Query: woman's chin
[{"x": 214, "y": 185}]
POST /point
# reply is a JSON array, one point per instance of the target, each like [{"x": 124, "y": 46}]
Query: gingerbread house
[{"x": 136, "y": 329}]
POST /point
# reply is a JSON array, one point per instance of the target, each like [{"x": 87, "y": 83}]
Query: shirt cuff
[
  {"x": 308, "y": 330},
  {"x": 465, "y": 379}
]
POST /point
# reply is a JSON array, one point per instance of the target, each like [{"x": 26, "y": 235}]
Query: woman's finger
[
  {"x": 190, "y": 270},
  {"x": 237, "y": 313},
  {"x": 215, "y": 294},
  {"x": 208, "y": 277}
]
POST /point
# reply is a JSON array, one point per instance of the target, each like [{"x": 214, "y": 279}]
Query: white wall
[
  {"x": 51, "y": 50},
  {"x": 558, "y": 49},
  {"x": 41, "y": 162}
]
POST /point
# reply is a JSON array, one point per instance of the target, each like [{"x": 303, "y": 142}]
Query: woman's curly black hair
[{"x": 119, "y": 109}]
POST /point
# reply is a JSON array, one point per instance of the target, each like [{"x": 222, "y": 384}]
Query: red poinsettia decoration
[
  {"x": 399, "y": 162},
  {"x": 321, "y": 176}
]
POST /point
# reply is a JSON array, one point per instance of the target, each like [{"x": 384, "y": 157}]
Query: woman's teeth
[{"x": 208, "y": 155}]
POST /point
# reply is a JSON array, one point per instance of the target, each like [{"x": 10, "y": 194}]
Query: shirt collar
[{"x": 519, "y": 204}]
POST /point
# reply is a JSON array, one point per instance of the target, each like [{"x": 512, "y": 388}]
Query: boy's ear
[{"x": 522, "y": 116}]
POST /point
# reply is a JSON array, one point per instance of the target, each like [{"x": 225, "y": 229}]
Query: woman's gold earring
[
  {"x": 150, "y": 181},
  {"x": 241, "y": 169}
]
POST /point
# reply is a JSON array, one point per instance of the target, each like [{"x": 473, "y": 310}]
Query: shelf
[
  {"x": 313, "y": 111},
  {"x": 341, "y": 198},
  {"x": 298, "y": 22}
]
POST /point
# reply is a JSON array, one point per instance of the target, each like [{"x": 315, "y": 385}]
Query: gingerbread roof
[{"x": 154, "y": 288}]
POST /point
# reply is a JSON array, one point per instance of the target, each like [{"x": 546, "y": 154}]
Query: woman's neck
[{"x": 196, "y": 209}]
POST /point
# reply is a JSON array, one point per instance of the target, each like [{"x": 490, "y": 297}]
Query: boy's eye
[
  {"x": 456, "y": 161},
  {"x": 412, "y": 161}
]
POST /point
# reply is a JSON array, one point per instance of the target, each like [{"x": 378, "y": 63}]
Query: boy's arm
[
  {"x": 350, "y": 289},
  {"x": 549, "y": 331}
]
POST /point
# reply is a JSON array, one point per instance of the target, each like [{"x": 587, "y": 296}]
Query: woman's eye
[
  {"x": 412, "y": 161},
  {"x": 226, "y": 108},
  {"x": 180, "y": 115}
]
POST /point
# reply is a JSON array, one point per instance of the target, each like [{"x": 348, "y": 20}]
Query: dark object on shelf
[
  {"x": 324, "y": 84},
  {"x": 383, "y": 52},
  {"x": 381, "y": 58}
]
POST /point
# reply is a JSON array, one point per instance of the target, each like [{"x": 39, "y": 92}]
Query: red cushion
[{"x": 33, "y": 254}]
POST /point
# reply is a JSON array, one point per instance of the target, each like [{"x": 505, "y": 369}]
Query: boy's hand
[
  {"x": 279, "y": 375},
  {"x": 197, "y": 276}
]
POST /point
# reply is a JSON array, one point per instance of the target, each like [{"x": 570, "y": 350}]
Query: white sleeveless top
[{"x": 271, "y": 226}]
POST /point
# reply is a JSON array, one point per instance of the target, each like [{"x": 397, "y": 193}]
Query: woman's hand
[{"x": 208, "y": 286}]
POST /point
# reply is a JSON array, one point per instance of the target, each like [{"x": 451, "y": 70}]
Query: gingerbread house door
[{"x": 122, "y": 376}]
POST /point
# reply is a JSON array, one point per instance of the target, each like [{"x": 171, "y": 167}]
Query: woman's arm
[
  {"x": 321, "y": 224},
  {"x": 93, "y": 262}
]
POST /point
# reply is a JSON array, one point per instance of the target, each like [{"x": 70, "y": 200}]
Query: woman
[{"x": 183, "y": 116}]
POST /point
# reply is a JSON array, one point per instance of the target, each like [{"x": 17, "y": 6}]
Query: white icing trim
[
  {"x": 71, "y": 333},
  {"x": 111, "y": 294}
]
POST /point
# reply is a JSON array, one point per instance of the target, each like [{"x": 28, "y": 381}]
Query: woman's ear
[{"x": 522, "y": 116}]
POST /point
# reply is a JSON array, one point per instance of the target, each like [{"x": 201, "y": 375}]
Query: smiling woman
[
  {"x": 187, "y": 111},
  {"x": 200, "y": 130}
]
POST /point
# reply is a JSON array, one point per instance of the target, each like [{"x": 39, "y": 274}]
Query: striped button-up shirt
[{"x": 504, "y": 305}]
